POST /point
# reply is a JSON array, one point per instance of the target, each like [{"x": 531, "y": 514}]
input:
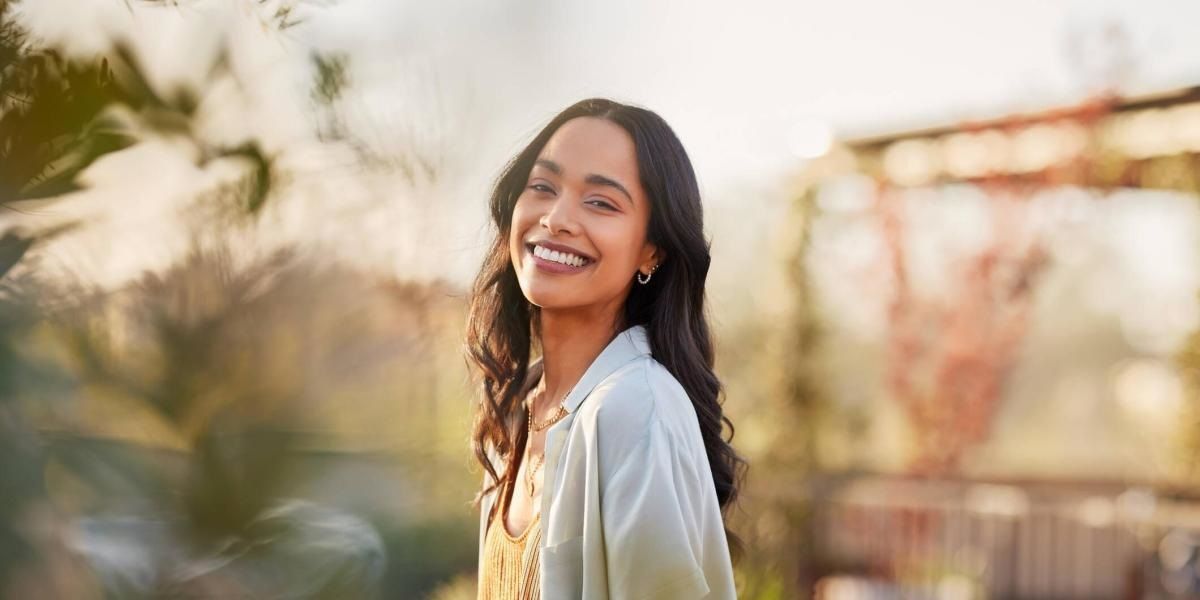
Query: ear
[{"x": 652, "y": 256}]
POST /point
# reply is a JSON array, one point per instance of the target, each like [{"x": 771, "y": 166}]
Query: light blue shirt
[{"x": 629, "y": 509}]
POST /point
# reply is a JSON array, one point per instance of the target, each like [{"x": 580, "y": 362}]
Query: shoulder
[
  {"x": 631, "y": 402},
  {"x": 637, "y": 394}
]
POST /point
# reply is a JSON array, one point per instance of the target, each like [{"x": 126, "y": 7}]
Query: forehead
[{"x": 587, "y": 145}]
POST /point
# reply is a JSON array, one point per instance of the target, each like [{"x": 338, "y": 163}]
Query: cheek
[
  {"x": 617, "y": 246},
  {"x": 518, "y": 228}
]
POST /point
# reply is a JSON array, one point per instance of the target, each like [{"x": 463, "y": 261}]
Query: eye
[
  {"x": 541, "y": 187},
  {"x": 602, "y": 204}
]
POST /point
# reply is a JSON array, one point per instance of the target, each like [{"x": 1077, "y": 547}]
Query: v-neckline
[{"x": 503, "y": 514}]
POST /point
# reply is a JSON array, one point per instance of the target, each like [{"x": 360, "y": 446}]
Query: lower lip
[{"x": 550, "y": 266}]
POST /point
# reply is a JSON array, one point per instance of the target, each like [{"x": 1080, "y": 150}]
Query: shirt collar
[{"x": 626, "y": 346}]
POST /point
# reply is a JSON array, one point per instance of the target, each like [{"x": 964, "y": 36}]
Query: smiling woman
[
  {"x": 584, "y": 220},
  {"x": 606, "y": 471}
]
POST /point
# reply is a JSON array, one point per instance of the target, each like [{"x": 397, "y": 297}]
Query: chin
[
  {"x": 554, "y": 296},
  {"x": 548, "y": 300}
]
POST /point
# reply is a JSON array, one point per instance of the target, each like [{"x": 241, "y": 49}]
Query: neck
[{"x": 570, "y": 343}]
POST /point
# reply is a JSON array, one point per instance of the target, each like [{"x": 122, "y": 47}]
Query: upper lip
[{"x": 560, "y": 248}]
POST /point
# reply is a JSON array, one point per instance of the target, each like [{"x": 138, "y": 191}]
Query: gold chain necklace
[
  {"x": 538, "y": 427},
  {"x": 537, "y": 461}
]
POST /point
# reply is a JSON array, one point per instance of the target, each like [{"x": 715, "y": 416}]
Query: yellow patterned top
[{"x": 510, "y": 564}]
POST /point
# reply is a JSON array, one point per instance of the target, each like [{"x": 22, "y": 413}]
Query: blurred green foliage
[
  {"x": 159, "y": 440},
  {"x": 427, "y": 553},
  {"x": 59, "y": 115}
]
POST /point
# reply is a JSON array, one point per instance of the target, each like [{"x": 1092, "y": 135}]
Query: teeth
[{"x": 558, "y": 257}]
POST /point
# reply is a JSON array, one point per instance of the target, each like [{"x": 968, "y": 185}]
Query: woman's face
[{"x": 583, "y": 200}]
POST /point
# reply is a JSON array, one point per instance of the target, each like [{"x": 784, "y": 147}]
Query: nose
[{"x": 560, "y": 216}]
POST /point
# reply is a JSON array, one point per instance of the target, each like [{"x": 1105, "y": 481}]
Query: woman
[{"x": 606, "y": 474}]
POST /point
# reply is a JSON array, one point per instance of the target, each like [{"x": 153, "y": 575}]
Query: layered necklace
[{"x": 536, "y": 462}]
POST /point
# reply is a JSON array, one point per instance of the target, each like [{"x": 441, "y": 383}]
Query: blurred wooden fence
[{"x": 1027, "y": 540}]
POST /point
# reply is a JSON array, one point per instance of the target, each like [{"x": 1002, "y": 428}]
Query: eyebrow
[{"x": 592, "y": 178}]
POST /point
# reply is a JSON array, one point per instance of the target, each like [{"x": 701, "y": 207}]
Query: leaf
[{"x": 12, "y": 248}]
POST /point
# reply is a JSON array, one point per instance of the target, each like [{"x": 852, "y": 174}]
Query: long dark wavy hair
[{"x": 503, "y": 326}]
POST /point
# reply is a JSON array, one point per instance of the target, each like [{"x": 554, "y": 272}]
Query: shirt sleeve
[{"x": 651, "y": 521}]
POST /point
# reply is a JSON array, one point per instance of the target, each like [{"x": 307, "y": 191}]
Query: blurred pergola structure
[
  {"x": 1150, "y": 141},
  {"x": 948, "y": 358}
]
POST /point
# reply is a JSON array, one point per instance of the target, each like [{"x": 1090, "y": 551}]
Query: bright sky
[
  {"x": 466, "y": 83},
  {"x": 735, "y": 82}
]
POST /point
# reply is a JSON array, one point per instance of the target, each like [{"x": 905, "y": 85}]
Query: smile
[{"x": 554, "y": 261}]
